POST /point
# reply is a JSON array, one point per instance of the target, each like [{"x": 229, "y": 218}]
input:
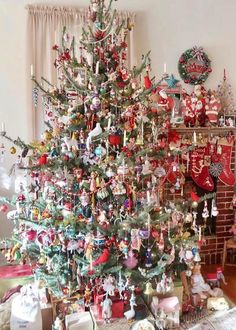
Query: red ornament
[
  {"x": 43, "y": 159},
  {"x": 31, "y": 235},
  {"x": 55, "y": 47},
  {"x": 66, "y": 158},
  {"x": 114, "y": 140},
  {"x": 3, "y": 208},
  {"x": 147, "y": 82}
]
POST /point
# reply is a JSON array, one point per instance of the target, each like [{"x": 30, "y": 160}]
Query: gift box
[
  {"x": 169, "y": 311},
  {"x": 117, "y": 308},
  {"x": 80, "y": 321},
  {"x": 68, "y": 305}
]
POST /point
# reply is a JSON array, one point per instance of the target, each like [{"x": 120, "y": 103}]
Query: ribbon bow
[{"x": 198, "y": 53}]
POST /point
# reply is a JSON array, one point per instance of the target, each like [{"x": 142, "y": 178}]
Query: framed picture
[
  {"x": 230, "y": 121},
  {"x": 81, "y": 76}
]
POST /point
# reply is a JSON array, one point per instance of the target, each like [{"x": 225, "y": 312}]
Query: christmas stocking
[
  {"x": 200, "y": 162},
  {"x": 226, "y": 176}
]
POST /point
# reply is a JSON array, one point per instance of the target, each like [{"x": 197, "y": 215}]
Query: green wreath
[{"x": 194, "y": 66}]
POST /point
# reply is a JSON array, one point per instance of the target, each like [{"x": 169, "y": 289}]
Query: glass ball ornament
[
  {"x": 98, "y": 151},
  {"x": 3, "y": 208},
  {"x": 194, "y": 204},
  {"x": 96, "y": 102},
  {"x": 12, "y": 150}
]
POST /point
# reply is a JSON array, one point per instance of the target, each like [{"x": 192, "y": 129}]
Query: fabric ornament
[
  {"x": 200, "y": 168},
  {"x": 216, "y": 169}
]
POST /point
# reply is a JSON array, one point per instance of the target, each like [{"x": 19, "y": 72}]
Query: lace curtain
[{"x": 44, "y": 29}]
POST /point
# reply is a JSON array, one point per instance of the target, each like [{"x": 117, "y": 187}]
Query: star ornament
[{"x": 171, "y": 81}]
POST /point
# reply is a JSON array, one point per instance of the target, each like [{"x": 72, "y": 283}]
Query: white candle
[
  {"x": 97, "y": 67},
  {"x": 124, "y": 142},
  {"x": 148, "y": 196},
  {"x": 91, "y": 262},
  {"x": 164, "y": 67},
  {"x": 109, "y": 124},
  {"x": 194, "y": 138},
  {"x": 200, "y": 233},
  {"x": 112, "y": 38},
  {"x": 32, "y": 70},
  {"x": 3, "y": 127}
]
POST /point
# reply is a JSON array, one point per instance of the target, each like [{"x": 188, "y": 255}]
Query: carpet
[{"x": 218, "y": 321}]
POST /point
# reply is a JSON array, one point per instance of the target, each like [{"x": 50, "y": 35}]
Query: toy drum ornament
[{"x": 114, "y": 139}]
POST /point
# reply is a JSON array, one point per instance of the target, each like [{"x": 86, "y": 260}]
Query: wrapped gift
[
  {"x": 169, "y": 308},
  {"x": 117, "y": 307},
  {"x": 80, "y": 321},
  {"x": 69, "y": 305}
]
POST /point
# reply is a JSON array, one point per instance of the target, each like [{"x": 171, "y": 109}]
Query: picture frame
[{"x": 81, "y": 76}]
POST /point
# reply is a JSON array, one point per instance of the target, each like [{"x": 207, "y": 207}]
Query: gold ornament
[
  {"x": 12, "y": 150},
  {"x": 149, "y": 290},
  {"x": 47, "y": 135},
  {"x": 42, "y": 260}
]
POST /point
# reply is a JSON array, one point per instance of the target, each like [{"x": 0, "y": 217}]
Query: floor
[{"x": 230, "y": 277}]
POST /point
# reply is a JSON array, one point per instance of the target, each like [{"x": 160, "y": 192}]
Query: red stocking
[
  {"x": 227, "y": 177},
  {"x": 200, "y": 168}
]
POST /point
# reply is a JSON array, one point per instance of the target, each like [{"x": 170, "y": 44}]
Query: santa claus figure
[{"x": 212, "y": 109}]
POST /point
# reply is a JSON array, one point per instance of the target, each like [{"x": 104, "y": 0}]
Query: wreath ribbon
[{"x": 198, "y": 53}]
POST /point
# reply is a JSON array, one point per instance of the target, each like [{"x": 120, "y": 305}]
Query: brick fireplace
[{"x": 211, "y": 252}]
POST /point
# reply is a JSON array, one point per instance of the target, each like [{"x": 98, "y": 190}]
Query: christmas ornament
[
  {"x": 214, "y": 210},
  {"x": 12, "y": 150},
  {"x": 171, "y": 81},
  {"x": 103, "y": 258},
  {"x": 3, "y": 208},
  {"x": 216, "y": 169}
]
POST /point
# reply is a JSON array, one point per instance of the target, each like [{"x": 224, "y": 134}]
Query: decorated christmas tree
[
  {"x": 225, "y": 94},
  {"x": 90, "y": 202}
]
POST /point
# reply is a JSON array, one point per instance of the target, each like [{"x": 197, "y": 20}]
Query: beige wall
[{"x": 166, "y": 27}]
